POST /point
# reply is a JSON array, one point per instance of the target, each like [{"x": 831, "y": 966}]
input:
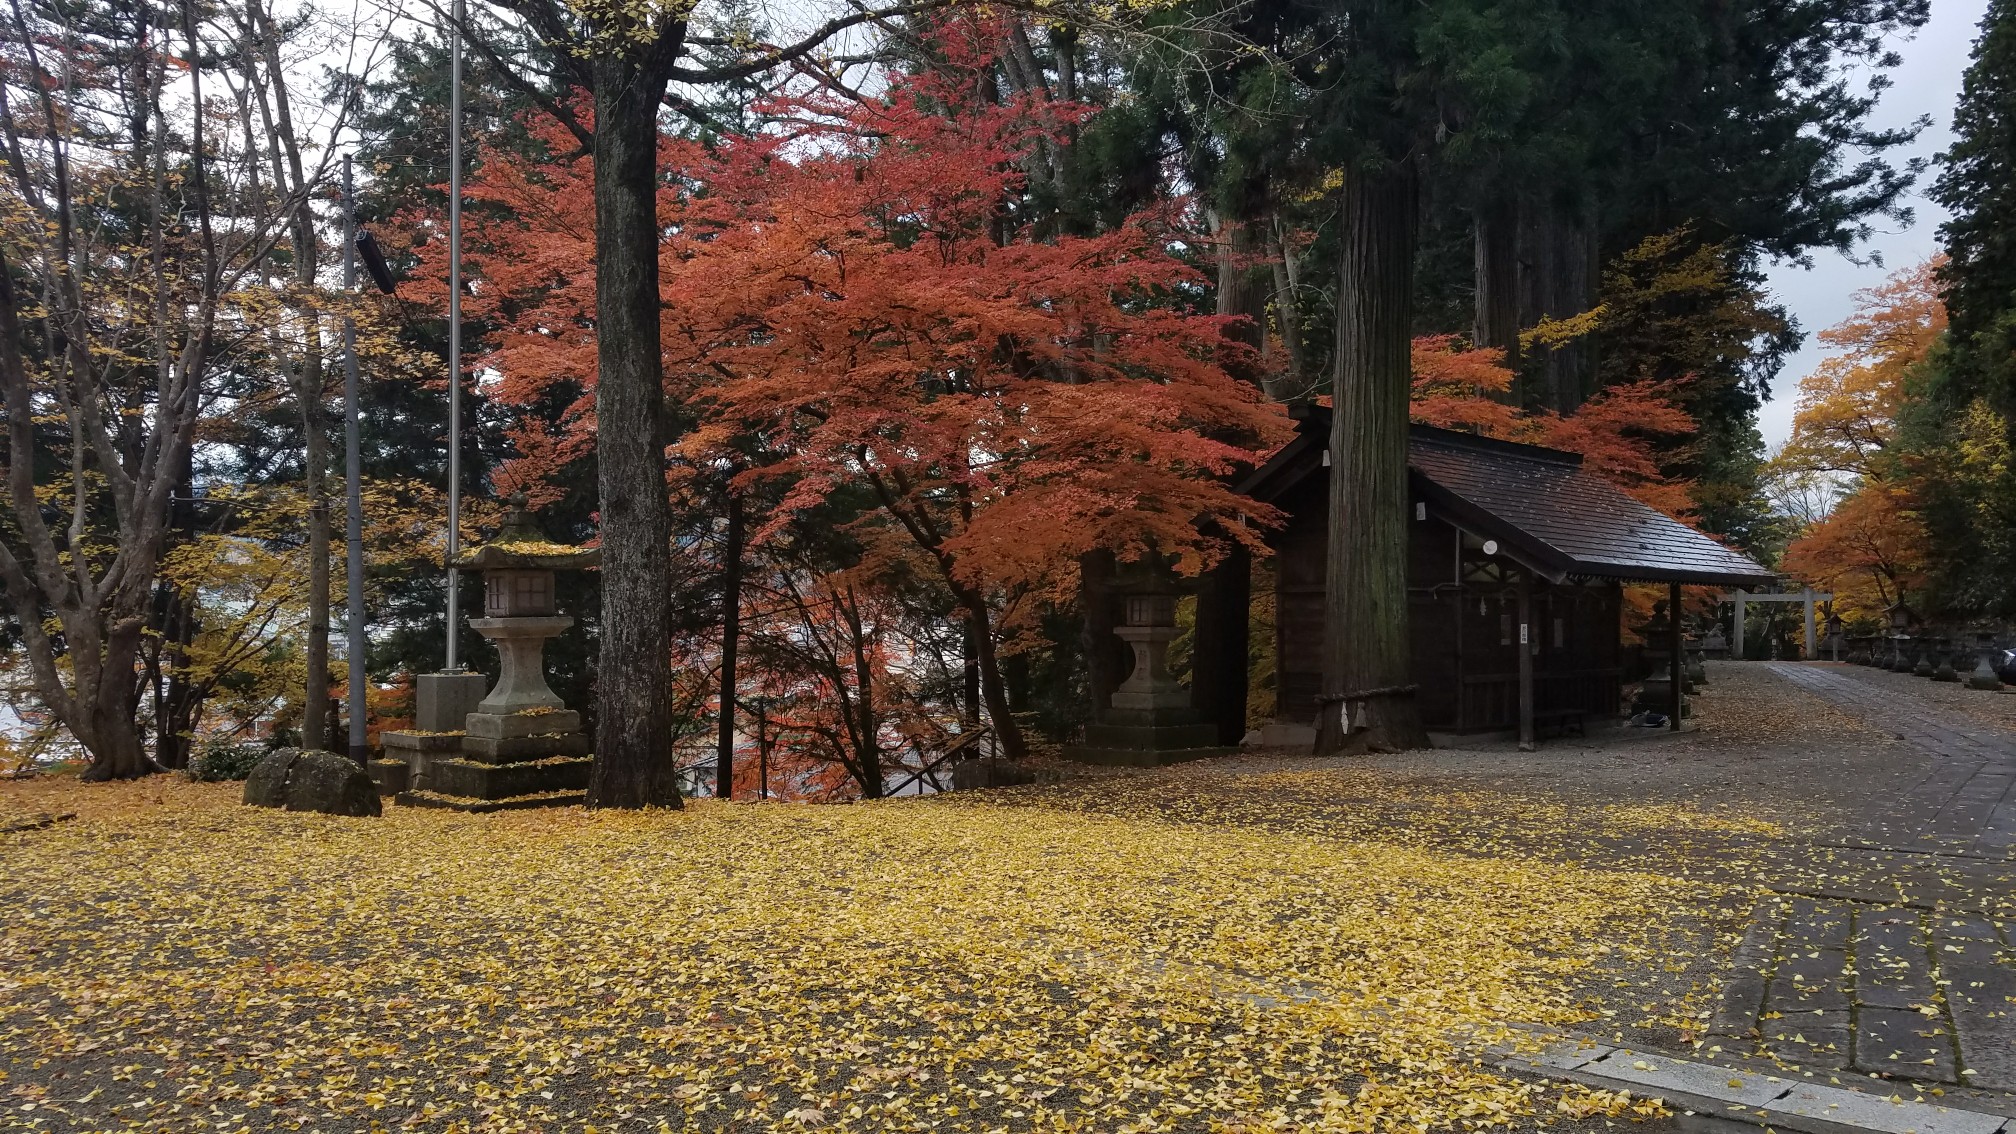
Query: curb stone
[{"x": 1717, "y": 1091}]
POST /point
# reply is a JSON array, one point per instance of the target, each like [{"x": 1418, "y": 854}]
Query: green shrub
[{"x": 214, "y": 762}]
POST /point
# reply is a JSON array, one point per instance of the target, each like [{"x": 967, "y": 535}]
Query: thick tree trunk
[
  {"x": 1242, "y": 294},
  {"x": 108, "y": 696},
  {"x": 633, "y": 759},
  {"x": 1495, "y": 228},
  {"x": 1368, "y": 696},
  {"x": 1559, "y": 249}
]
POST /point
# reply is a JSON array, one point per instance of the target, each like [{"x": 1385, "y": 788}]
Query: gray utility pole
[
  {"x": 455, "y": 337},
  {"x": 353, "y": 476}
]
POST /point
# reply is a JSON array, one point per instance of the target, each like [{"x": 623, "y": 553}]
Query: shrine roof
[{"x": 1544, "y": 509}]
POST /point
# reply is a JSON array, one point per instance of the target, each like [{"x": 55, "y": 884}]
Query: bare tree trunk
[
  {"x": 731, "y": 635},
  {"x": 992, "y": 691},
  {"x": 1368, "y": 695},
  {"x": 633, "y": 761},
  {"x": 1282, "y": 261},
  {"x": 865, "y": 727},
  {"x": 310, "y": 389},
  {"x": 315, "y": 458}
]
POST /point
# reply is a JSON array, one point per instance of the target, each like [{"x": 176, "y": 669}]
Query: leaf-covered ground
[
  {"x": 1243, "y": 945},
  {"x": 171, "y": 961}
]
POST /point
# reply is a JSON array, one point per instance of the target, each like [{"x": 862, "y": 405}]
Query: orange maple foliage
[
  {"x": 1869, "y": 551},
  {"x": 1617, "y": 432},
  {"x": 841, "y": 292},
  {"x": 1848, "y": 406}
]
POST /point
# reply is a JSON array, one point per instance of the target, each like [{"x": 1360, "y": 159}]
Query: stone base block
[
  {"x": 1141, "y": 757},
  {"x": 1154, "y": 737},
  {"x": 441, "y": 700},
  {"x": 389, "y": 775},
  {"x": 505, "y": 726},
  {"x": 429, "y": 742},
  {"x": 484, "y": 806},
  {"x": 470, "y": 779},
  {"x": 1164, "y": 717},
  {"x": 516, "y": 749}
]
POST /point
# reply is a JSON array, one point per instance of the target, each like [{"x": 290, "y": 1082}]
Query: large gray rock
[{"x": 312, "y": 781}]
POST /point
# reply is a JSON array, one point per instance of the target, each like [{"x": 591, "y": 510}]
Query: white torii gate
[{"x": 1807, "y": 596}]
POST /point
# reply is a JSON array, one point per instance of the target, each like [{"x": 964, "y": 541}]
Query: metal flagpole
[
  {"x": 455, "y": 337},
  {"x": 353, "y": 472}
]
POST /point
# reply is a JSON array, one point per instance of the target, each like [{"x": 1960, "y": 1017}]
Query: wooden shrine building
[{"x": 1494, "y": 525}]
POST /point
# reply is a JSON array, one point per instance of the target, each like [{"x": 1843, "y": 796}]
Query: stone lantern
[
  {"x": 521, "y": 747},
  {"x": 1903, "y": 621},
  {"x": 1942, "y": 660},
  {"x": 1151, "y": 719},
  {"x": 1984, "y": 677}
]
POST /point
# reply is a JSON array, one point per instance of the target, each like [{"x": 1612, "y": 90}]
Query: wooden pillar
[
  {"x": 1812, "y": 648},
  {"x": 1736, "y": 635},
  {"x": 1526, "y": 661},
  {"x": 1675, "y": 665}
]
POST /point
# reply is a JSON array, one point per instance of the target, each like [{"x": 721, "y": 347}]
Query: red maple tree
[{"x": 851, "y": 298}]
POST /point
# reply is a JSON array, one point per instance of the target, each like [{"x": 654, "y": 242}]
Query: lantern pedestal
[
  {"x": 519, "y": 746},
  {"x": 1151, "y": 720}
]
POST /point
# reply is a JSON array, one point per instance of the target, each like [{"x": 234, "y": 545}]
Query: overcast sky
[{"x": 1927, "y": 83}]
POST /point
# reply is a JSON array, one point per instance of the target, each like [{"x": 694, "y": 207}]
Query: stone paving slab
[{"x": 1889, "y": 952}]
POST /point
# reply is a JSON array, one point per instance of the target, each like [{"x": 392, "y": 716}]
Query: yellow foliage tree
[{"x": 1847, "y": 412}]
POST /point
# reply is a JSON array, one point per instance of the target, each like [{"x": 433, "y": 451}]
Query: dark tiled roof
[{"x": 1539, "y": 503}]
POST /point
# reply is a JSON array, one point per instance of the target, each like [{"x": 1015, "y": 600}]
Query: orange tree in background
[
  {"x": 1870, "y": 548},
  {"x": 1847, "y": 415},
  {"x": 852, "y": 311}
]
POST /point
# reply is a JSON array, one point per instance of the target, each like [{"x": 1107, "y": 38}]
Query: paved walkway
[
  {"x": 1893, "y": 954},
  {"x": 1966, "y": 803}
]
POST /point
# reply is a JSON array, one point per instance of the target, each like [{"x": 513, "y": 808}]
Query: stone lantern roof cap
[{"x": 519, "y": 544}]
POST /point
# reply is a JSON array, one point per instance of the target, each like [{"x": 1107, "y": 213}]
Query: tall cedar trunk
[
  {"x": 1496, "y": 239},
  {"x": 1558, "y": 245},
  {"x": 1242, "y": 294},
  {"x": 1366, "y": 662},
  {"x": 633, "y": 758},
  {"x": 731, "y": 635}
]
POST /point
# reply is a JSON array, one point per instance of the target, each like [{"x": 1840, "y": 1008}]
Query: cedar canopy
[{"x": 1507, "y": 542}]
